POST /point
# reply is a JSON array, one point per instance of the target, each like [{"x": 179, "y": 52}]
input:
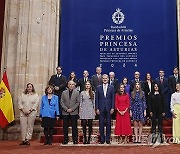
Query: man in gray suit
[
  {"x": 97, "y": 79},
  {"x": 70, "y": 104}
]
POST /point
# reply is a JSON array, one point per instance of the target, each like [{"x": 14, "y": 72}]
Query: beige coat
[{"x": 28, "y": 102}]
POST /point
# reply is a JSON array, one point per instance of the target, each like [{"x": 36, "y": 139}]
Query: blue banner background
[{"x": 83, "y": 21}]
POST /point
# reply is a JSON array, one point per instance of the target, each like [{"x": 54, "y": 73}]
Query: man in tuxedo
[
  {"x": 70, "y": 104},
  {"x": 173, "y": 79},
  {"x": 58, "y": 81},
  {"x": 81, "y": 82},
  {"x": 96, "y": 79},
  {"x": 105, "y": 108},
  {"x": 113, "y": 81},
  {"x": 135, "y": 80},
  {"x": 162, "y": 81}
]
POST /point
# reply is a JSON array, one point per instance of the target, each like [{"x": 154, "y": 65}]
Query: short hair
[
  {"x": 111, "y": 73},
  {"x": 136, "y": 72},
  {"x": 46, "y": 89},
  {"x": 176, "y": 68},
  {"x": 105, "y": 75},
  {"x": 59, "y": 67},
  {"x": 161, "y": 70}
]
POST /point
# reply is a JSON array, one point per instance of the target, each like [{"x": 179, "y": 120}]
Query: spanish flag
[{"x": 6, "y": 105}]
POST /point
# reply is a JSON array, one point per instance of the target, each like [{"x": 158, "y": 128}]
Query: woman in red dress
[{"x": 123, "y": 124}]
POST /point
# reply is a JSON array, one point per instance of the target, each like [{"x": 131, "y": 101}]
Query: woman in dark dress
[
  {"x": 138, "y": 111},
  {"x": 126, "y": 85},
  {"x": 72, "y": 77},
  {"x": 49, "y": 112},
  {"x": 157, "y": 110}
]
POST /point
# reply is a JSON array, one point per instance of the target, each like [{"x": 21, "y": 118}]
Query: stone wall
[{"x": 30, "y": 47}]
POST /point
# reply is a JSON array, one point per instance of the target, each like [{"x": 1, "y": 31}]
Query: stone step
[
  {"x": 94, "y": 138},
  {"x": 59, "y": 130}
]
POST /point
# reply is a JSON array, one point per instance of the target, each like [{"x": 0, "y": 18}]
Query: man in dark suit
[
  {"x": 58, "y": 81},
  {"x": 173, "y": 79},
  {"x": 96, "y": 79},
  {"x": 81, "y": 82},
  {"x": 105, "y": 107},
  {"x": 70, "y": 104},
  {"x": 135, "y": 80},
  {"x": 162, "y": 81},
  {"x": 113, "y": 81}
]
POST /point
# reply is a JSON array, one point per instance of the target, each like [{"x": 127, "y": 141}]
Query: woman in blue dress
[{"x": 138, "y": 111}]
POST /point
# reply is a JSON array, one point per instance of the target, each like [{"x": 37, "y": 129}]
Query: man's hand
[
  {"x": 69, "y": 110},
  {"x": 56, "y": 88},
  {"x": 151, "y": 114},
  {"x": 163, "y": 114},
  {"x": 57, "y": 118},
  {"x": 112, "y": 111},
  {"x": 97, "y": 111}
]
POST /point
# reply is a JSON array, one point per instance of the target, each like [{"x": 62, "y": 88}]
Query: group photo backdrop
[{"x": 123, "y": 36}]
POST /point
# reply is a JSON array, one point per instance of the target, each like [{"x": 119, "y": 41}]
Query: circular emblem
[
  {"x": 2, "y": 92},
  {"x": 118, "y": 17}
]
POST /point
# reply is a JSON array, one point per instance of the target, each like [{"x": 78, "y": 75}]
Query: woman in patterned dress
[
  {"x": 87, "y": 110},
  {"x": 138, "y": 110}
]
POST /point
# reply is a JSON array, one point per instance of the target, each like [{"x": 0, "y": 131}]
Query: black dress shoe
[
  {"x": 108, "y": 142},
  {"x": 23, "y": 143},
  {"x": 75, "y": 142},
  {"x": 102, "y": 142},
  {"x": 65, "y": 142}
]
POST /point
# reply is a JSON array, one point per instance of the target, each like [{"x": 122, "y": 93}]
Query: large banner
[{"x": 123, "y": 36}]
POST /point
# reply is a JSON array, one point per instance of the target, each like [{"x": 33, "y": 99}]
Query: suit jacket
[
  {"x": 95, "y": 81},
  {"x": 133, "y": 82},
  {"x": 59, "y": 82},
  {"x": 105, "y": 103},
  {"x": 81, "y": 84},
  {"x": 156, "y": 103},
  {"x": 172, "y": 83},
  {"x": 164, "y": 86},
  {"x": 49, "y": 109},
  {"x": 115, "y": 83},
  {"x": 70, "y": 103}
]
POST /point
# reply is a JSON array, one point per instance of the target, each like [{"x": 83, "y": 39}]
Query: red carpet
[{"x": 12, "y": 147}]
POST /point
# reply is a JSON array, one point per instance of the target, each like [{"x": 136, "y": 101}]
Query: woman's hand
[
  {"x": 174, "y": 115},
  {"x": 130, "y": 113},
  {"x": 144, "y": 113}
]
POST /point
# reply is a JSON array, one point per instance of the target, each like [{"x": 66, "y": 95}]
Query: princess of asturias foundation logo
[
  {"x": 2, "y": 92},
  {"x": 118, "y": 17}
]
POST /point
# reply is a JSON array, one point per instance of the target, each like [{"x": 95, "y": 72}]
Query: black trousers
[
  {"x": 66, "y": 120},
  {"x": 159, "y": 117}
]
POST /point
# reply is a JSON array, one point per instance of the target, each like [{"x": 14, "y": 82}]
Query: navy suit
[
  {"x": 164, "y": 87},
  {"x": 104, "y": 104},
  {"x": 172, "y": 83}
]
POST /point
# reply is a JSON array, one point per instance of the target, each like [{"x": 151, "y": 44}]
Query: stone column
[{"x": 30, "y": 46}]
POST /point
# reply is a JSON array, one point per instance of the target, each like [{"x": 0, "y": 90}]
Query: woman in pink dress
[{"x": 123, "y": 124}]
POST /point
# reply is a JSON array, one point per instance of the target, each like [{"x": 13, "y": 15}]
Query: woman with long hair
[
  {"x": 126, "y": 85},
  {"x": 49, "y": 112},
  {"x": 157, "y": 111},
  {"x": 138, "y": 111},
  {"x": 123, "y": 124},
  {"x": 87, "y": 110},
  {"x": 72, "y": 77},
  {"x": 28, "y": 106}
]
